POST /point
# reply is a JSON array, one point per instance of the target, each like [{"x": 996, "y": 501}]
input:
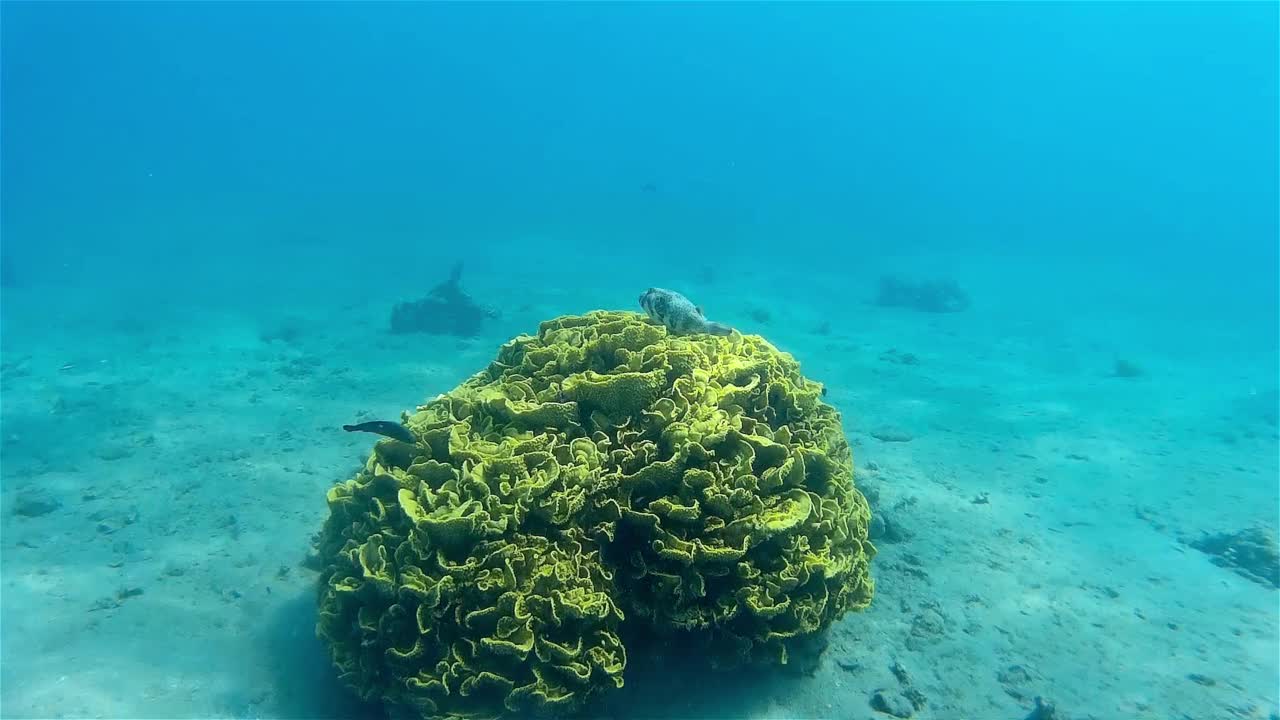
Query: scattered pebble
[
  {"x": 892, "y": 702},
  {"x": 1017, "y": 681},
  {"x": 900, "y": 672},
  {"x": 1043, "y": 711},
  {"x": 34, "y": 503},
  {"x": 927, "y": 628},
  {"x": 113, "y": 521},
  {"x": 892, "y": 355},
  {"x": 885, "y": 528}
]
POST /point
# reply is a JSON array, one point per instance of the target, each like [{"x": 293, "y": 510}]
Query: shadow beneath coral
[
  {"x": 659, "y": 685},
  {"x": 304, "y": 680},
  {"x": 673, "y": 685}
]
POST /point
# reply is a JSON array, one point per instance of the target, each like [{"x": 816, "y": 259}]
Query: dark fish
[
  {"x": 384, "y": 427},
  {"x": 678, "y": 314}
]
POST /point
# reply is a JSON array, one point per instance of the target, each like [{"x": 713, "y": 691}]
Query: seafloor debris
[
  {"x": 1044, "y": 711},
  {"x": 288, "y": 330},
  {"x": 34, "y": 503},
  {"x": 114, "y": 602},
  {"x": 892, "y": 355},
  {"x": 446, "y": 310},
  {"x": 1018, "y": 681},
  {"x": 1252, "y": 552},
  {"x": 928, "y": 627},
  {"x": 892, "y": 702},
  {"x": 1127, "y": 369},
  {"x": 891, "y": 433},
  {"x": 937, "y": 296},
  {"x": 886, "y": 529},
  {"x": 902, "y": 703}
]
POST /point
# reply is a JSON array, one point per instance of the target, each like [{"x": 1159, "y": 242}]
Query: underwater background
[{"x": 1030, "y": 249}]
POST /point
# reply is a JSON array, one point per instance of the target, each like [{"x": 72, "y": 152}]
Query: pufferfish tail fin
[{"x": 716, "y": 328}]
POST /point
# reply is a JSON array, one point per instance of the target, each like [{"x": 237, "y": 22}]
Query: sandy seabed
[{"x": 165, "y": 471}]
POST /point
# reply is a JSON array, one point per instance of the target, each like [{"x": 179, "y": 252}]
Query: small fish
[
  {"x": 384, "y": 427},
  {"x": 678, "y": 314}
]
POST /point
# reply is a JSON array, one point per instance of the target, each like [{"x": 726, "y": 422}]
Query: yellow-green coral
[{"x": 601, "y": 470}]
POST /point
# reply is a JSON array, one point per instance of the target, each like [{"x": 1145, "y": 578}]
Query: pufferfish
[{"x": 678, "y": 314}]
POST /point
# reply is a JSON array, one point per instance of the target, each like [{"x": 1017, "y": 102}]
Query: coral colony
[{"x": 602, "y": 470}]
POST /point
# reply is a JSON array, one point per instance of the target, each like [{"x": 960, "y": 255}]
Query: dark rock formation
[
  {"x": 937, "y": 296},
  {"x": 446, "y": 310},
  {"x": 1253, "y": 553}
]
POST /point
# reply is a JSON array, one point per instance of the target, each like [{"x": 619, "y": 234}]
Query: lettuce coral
[{"x": 598, "y": 472}]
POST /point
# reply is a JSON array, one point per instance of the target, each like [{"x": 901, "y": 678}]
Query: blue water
[{"x": 180, "y": 181}]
